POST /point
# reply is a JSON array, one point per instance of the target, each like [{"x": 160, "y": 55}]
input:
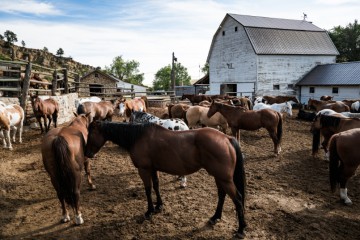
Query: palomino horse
[
  {"x": 344, "y": 160},
  {"x": 11, "y": 119},
  {"x": 240, "y": 118},
  {"x": 47, "y": 109},
  {"x": 195, "y": 99},
  {"x": 63, "y": 157},
  {"x": 279, "y": 99},
  {"x": 103, "y": 110},
  {"x": 126, "y": 106},
  {"x": 153, "y": 148},
  {"x": 279, "y": 107},
  {"x": 329, "y": 125},
  {"x": 320, "y": 105},
  {"x": 198, "y": 115},
  {"x": 174, "y": 124}
]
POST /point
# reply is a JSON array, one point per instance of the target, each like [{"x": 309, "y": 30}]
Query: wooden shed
[{"x": 252, "y": 55}]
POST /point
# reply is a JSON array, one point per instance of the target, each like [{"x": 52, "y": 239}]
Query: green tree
[
  {"x": 1, "y": 37},
  {"x": 23, "y": 43},
  {"x": 205, "y": 68},
  {"x": 347, "y": 41},
  {"x": 126, "y": 71},
  {"x": 60, "y": 52},
  {"x": 45, "y": 49},
  {"x": 162, "y": 79},
  {"x": 10, "y": 37}
]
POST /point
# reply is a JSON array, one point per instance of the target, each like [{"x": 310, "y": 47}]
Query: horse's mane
[
  {"x": 124, "y": 134},
  {"x": 329, "y": 121}
]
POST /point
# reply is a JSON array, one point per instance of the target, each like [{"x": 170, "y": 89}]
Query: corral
[{"x": 288, "y": 196}]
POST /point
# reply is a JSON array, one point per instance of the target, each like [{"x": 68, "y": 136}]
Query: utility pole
[{"x": 174, "y": 59}]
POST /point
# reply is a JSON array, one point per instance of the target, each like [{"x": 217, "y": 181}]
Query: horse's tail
[
  {"x": 239, "y": 173},
  {"x": 279, "y": 127},
  {"x": 316, "y": 141},
  {"x": 80, "y": 109},
  {"x": 334, "y": 163},
  {"x": 65, "y": 175}
]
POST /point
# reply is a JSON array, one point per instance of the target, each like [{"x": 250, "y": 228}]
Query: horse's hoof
[
  {"x": 348, "y": 202},
  {"x": 239, "y": 235},
  {"x": 213, "y": 221},
  {"x": 148, "y": 215},
  {"x": 158, "y": 208},
  {"x": 65, "y": 219},
  {"x": 92, "y": 187},
  {"x": 79, "y": 220}
]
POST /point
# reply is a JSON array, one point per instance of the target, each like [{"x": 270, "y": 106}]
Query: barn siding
[
  {"x": 101, "y": 79},
  {"x": 284, "y": 70},
  {"x": 345, "y": 92},
  {"x": 233, "y": 48}
]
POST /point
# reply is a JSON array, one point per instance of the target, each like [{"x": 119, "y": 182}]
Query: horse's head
[
  {"x": 288, "y": 109},
  {"x": 214, "y": 107},
  {"x": 122, "y": 107},
  {"x": 95, "y": 139}
]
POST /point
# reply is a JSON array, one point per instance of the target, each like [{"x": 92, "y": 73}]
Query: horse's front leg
[
  {"x": 40, "y": 123},
  {"x": 159, "y": 202},
  {"x": 14, "y": 129},
  {"x": 88, "y": 174},
  {"x": 48, "y": 126},
  {"x": 236, "y": 133},
  {"x": 8, "y": 140},
  {"x": 45, "y": 123},
  {"x": 146, "y": 176},
  {"x": 3, "y": 138}
]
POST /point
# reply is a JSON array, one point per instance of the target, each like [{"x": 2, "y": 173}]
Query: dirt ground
[{"x": 288, "y": 196}]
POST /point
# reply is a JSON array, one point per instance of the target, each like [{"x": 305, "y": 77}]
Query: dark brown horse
[
  {"x": 240, "y": 118},
  {"x": 103, "y": 110},
  {"x": 320, "y": 105},
  {"x": 63, "y": 157},
  {"x": 178, "y": 110},
  {"x": 47, "y": 109},
  {"x": 328, "y": 125},
  {"x": 153, "y": 148},
  {"x": 195, "y": 99},
  {"x": 344, "y": 160},
  {"x": 280, "y": 99}
]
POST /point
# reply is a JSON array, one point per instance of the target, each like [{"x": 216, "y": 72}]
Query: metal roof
[
  {"x": 278, "y": 23},
  {"x": 280, "y": 41},
  {"x": 333, "y": 74}
]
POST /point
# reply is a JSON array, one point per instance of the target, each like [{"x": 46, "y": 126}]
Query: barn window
[
  {"x": 96, "y": 75},
  {"x": 290, "y": 86},
  {"x": 335, "y": 90},
  {"x": 276, "y": 87},
  {"x": 311, "y": 90},
  {"x": 235, "y": 29},
  {"x": 223, "y": 33}
]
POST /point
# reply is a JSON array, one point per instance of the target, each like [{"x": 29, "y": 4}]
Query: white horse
[
  {"x": 279, "y": 107},
  {"x": 11, "y": 119},
  {"x": 355, "y": 107},
  {"x": 90, "y": 99},
  {"x": 174, "y": 124}
]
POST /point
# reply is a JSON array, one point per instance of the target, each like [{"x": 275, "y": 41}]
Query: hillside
[{"x": 41, "y": 57}]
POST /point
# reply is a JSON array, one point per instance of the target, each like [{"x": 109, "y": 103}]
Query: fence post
[
  {"x": 66, "y": 86},
  {"x": 77, "y": 83},
  {"x": 132, "y": 92},
  {"x": 54, "y": 84},
  {"x": 26, "y": 86}
]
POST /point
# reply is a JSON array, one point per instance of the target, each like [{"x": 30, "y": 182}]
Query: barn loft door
[
  {"x": 95, "y": 89},
  {"x": 228, "y": 89}
]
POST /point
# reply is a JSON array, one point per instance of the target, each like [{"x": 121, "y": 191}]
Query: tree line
[{"x": 346, "y": 40}]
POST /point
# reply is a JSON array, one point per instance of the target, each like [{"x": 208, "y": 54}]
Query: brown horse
[
  {"x": 320, "y": 105},
  {"x": 344, "y": 160},
  {"x": 178, "y": 110},
  {"x": 62, "y": 152},
  {"x": 280, "y": 99},
  {"x": 47, "y": 109},
  {"x": 198, "y": 115},
  {"x": 195, "y": 99},
  {"x": 240, "y": 118},
  {"x": 243, "y": 102},
  {"x": 126, "y": 106},
  {"x": 150, "y": 146},
  {"x": 326, "y": 98},
  {"x": 328, "y": 125},
  {"x": 103, "y": 110}
]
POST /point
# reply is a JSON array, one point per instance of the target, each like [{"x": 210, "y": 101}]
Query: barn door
[{"x": 228, "y": 89}]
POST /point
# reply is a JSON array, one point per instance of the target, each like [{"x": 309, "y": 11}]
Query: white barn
[
  {"x": 257, "y": 56},
  {"x": 339, "y": 80}
]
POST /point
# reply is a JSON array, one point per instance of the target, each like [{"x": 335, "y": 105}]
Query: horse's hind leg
[
  {"x": 48, "y": 126},
  {"x": 40, "y": 123},
  {"x": 88, "y": 174},
  {"x": 55, "y": 117},
  {"x": 159, "y": 202},
  {"x": 273, "y": 135},
  {"x": 220, "y": 204},
  {"x": 78, "y": 218},
  {"x": 345, "y": 174},
  {"x": 14, "y": 129}
]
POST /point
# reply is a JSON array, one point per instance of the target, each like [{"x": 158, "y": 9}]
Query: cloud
[{"x": 28, "y": 7}]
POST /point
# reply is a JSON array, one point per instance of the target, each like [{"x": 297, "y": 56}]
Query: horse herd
[{"x": 151, "y": 141}]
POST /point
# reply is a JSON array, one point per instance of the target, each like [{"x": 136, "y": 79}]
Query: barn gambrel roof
[
  {"x": 275, "y": 36},
  {"x": 336, "y": 74}
]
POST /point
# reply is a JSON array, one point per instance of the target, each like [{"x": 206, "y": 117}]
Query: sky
[{"x": 94, "y": 32}]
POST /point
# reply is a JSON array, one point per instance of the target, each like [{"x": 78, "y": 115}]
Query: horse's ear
[{"x": 75, "y": 114}]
